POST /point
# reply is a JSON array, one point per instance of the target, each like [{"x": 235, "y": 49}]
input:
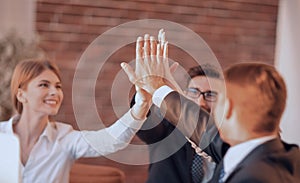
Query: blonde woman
[{"x": 48, "y": 149}]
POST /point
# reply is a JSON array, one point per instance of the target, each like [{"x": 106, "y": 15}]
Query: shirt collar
[
  {"x": 11, "y": 121},
  {"x": 48, "y": 132},
  {"x": 237, "y": 153}
]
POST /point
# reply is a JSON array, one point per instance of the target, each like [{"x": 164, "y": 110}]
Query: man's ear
[
  {"x": 21, "y": 96},
  {"x": 228, "y": 108}
]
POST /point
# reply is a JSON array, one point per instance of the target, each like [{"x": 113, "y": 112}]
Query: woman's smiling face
[{"x": 43, "y": 94}]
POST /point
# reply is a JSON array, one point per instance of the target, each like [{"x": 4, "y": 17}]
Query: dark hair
[{"x": 207, "y": 70}]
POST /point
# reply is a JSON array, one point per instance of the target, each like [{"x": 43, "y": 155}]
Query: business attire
[
  {"x": 171, "y": 156},
  {"x": 193, "y": 121},
  {"x": 60, "y": 145},
  {"x": 267, "y": 159},
  {"x": 164, "y": 139},
  {"x": 272, "y": 161}
]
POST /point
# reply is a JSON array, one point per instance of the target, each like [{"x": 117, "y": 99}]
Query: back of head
[
  {"x": 24, "y": 72},
  {"x": 259, "y": 92}
]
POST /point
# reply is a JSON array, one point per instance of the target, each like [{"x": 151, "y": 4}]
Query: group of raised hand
[{"x": 152, "y": 69}]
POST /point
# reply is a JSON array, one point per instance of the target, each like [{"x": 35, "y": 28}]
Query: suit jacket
[
  {"x": 164, "y": 139},
  {"x": 274, "y": 161},
  {"x": 170, "y": 154},
  {"x": 195, "y": 123}
]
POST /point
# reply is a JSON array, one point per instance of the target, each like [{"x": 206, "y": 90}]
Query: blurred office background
[{"x": 236, "y": 31}]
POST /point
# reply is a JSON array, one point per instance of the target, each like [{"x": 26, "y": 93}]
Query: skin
[
  {"x": 152, "y": 67},
  {"x": 235, "y": 128},
  {"x": 204, "y": 84},
  {"x": 42, "y": 97}
]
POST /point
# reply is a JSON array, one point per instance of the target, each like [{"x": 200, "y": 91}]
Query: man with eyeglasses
[
  {"x": 172, "y": 158},
  {"x": 201, "y": 84}
]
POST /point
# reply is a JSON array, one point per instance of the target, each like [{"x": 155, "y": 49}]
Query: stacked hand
[
  {"x": 152, "y": 66},
  {"x": 152, "y": 70}
]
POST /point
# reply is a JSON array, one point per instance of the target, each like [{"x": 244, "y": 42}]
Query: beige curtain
[{"x": 288, "y": 62}]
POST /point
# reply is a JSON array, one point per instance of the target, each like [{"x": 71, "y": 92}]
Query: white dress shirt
[
  {"x": 237, "y": 153},
  {"x": 208, "y": 165},
  {"x": 59, "y": 145}
]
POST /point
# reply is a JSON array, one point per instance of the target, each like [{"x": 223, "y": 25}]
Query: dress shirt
[
  {"x": 208, "y": 165},
  {"x": 160, "y": 94},
  {"x": 237, "y": 153},
  {"x": 59, "y": 145}
]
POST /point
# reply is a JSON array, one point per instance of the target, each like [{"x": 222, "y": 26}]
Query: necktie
[
  {"x": 197, "y": 169},
  {"x": 222, "y": 174}
]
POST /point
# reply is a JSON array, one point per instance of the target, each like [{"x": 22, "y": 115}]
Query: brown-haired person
[
  {"x": 252, "y": 107},
  {"x": 48, "y": 149},
  {"x": 247, "y": 116},
  {"x": 168, "y": 147}
]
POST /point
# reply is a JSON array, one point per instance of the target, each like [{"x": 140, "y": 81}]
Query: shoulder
[
  {"x": 61, "y": 126},
  {"x": 281, "y": 169},
  {"x": 61, "y": 130},
  {"x": 5, "y": 126}
]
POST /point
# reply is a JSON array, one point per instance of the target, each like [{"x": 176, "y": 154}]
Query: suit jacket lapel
[{"x": 257, "y": 154}]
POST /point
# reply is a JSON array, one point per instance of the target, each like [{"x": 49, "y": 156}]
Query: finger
[
  {"x": 165, "y": 50},
  {"x": 153, "y": 48},
  {"x": 153, "y": 45},
  {"x": 139, "y": 47},
  {"x": 162, "y": 41},
  {"x": 146, "y": 45},
  {"x": 174, "y": 67},
  {"x": 159, "y": 35},
  {"x": 163, "y": 37},
  {"x": 129, "y": 71},
  {"x": 158, "y": 52},
  {"x": 139, "y": 54}
]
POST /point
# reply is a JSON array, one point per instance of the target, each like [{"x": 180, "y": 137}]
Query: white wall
[
  {"x": 288, "y": 63},
  {"x": 18, "y": 15}
]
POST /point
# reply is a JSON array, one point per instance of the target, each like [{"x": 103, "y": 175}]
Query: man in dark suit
[
  {"x": 171, "y": 156},
  {"x": 247, "y": 117}
]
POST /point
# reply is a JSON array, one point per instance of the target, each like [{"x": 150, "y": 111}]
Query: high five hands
[{"x": 152, "y": 68}]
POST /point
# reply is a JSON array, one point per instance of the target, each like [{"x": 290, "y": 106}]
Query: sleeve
[
  {"x": 155, "y": 128},
  {"x": 107, "y": 140},
  {"x": 193, "y": 121},
  {"x": 188, "y": 117}
]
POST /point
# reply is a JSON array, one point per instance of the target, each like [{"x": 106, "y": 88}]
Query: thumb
[
  {"x": 173, "y": 67},
  {"x": 129, "y": 71}
]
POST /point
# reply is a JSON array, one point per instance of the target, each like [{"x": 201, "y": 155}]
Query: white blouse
[{"x": 60, "y": 145}]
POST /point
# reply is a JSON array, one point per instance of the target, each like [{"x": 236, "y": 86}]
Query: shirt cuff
[
  {"x": 128, "y": 120},
  {"x": 160, "y": 94}
]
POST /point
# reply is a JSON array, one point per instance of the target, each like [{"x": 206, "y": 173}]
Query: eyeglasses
[{"x": 210, "y": 96}]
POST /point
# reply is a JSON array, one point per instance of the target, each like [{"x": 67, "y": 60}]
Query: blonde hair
[{"x": 24, "y": 72}]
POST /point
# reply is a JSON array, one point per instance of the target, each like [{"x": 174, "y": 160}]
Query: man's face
[{"x": 209, "y": 88}]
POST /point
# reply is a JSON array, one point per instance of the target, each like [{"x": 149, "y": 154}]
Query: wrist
[{"x": 139, "y": 110}]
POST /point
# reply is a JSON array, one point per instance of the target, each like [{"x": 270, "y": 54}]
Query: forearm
[
  {"x": 113, "y": 138},
  {"x": 188, "y": 117},
  {"x": 155, "y": 128},
  {"x": 194, "y": 123}
]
